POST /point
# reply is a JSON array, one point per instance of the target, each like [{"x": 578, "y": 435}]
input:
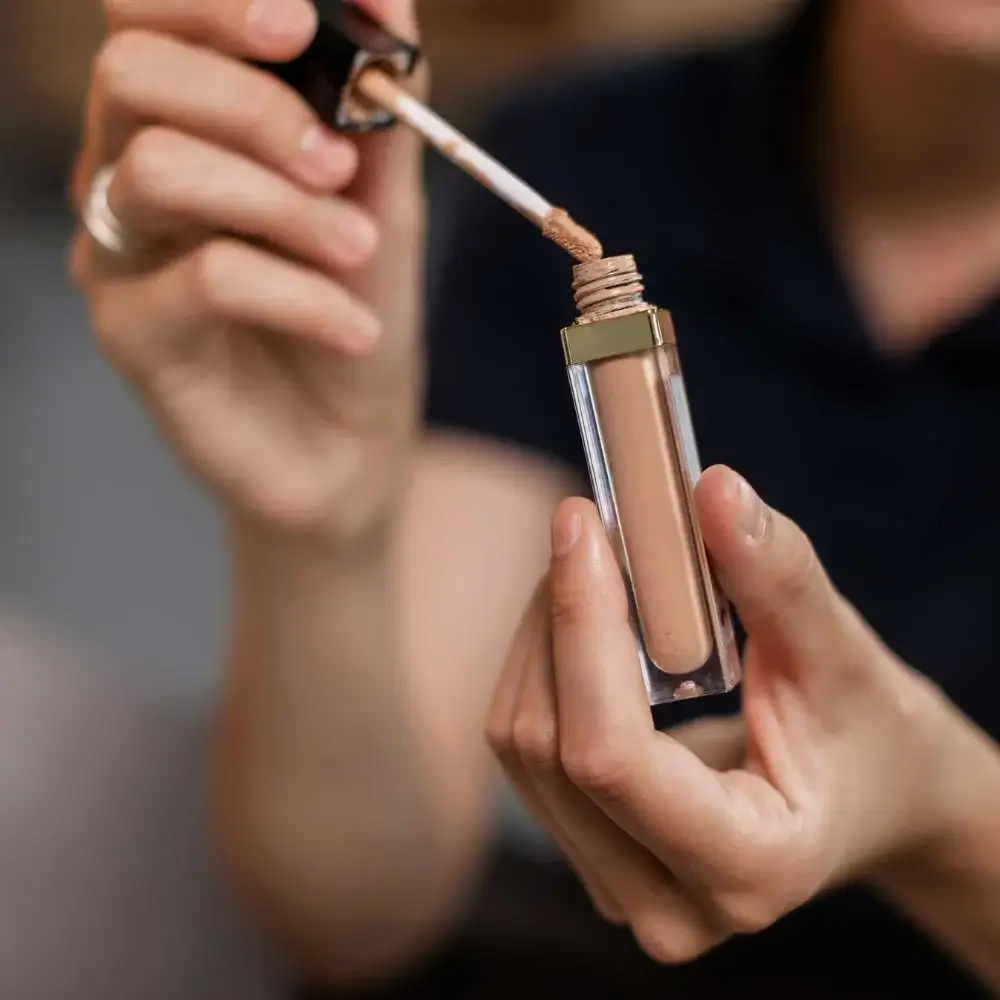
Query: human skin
[{"x": 845, "y": 765}]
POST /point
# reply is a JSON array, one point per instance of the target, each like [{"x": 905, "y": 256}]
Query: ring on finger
[{"x": 99, "y": 219}]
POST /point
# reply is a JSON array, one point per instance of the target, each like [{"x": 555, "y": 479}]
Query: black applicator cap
[{"x": 347, "y": 41}]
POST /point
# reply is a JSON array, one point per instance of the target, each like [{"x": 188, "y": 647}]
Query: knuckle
[
  {"x": 749, "y": 912},
  {"x": 498, "y": 738},
  {"x": 215, "y": 270},
  {"x": 666, "y": 941},
  {"x": 536, "y": 744},
  {"x": 119, "y": 63},
  {"x": 596, "y": 769},
  {"x": 568, "y": 603},
  {"x": 150, "y": 161}
]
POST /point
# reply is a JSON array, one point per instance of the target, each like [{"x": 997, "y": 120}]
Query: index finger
[
  {"x": 651, "y": 785},
  {"x": 269, "y": 30}
]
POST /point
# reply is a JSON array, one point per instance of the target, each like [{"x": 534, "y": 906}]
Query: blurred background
[{"x": 99, "y": 533}]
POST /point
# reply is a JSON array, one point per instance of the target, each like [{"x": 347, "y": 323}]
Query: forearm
[
  {"x": 329, "y": 809},
  {"x": 951, "y": 885},
  {"x": 355, "y": 783}
]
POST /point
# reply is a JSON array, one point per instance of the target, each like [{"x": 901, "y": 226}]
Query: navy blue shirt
[{"x": 692, "y": 164}]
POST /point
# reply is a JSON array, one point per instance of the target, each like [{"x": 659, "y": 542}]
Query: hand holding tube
[
  {"x": 724, "y": 826},
  {"x": 271, "y": 319}
]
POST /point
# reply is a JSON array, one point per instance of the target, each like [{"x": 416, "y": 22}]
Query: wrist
[
  {"x": 313, "y": 632},
  {"x": 947, "y": 776},
  {"x": 350, "y": 523},
  {"x": 270, "y": 557}
]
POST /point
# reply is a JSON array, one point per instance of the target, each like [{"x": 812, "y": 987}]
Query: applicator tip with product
[
  {"x": 351, "y": 76},
  {"x": 560, "y": 227}
]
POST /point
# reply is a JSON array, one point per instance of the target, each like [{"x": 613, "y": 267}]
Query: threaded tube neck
[{"x": 607, "y": 288}]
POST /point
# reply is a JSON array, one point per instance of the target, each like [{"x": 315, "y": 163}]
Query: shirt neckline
[{"x": 791, "y": 261}]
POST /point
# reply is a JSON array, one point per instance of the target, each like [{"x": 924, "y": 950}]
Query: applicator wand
[{"x": 350, "y": 73}]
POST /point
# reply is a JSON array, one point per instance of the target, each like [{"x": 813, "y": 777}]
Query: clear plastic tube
[{"x": 643, "y": 460}]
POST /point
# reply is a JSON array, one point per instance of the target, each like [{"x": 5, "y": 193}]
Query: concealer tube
[{"x": 628, "y": 390}]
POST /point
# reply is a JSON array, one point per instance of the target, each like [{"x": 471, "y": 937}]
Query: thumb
[
  {"x": 769, "y": 569},
  {"x": 599, "y": 685}
]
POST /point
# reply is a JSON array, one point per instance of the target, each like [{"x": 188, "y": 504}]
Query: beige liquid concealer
[{"x": 628, "y": 390}]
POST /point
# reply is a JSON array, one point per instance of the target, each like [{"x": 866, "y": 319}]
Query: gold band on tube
[{"x": 612, "y": 338}]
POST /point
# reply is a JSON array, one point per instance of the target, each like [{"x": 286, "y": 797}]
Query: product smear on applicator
[
  {"x": 353, "y": 75},
  {"x": 560, "y": 227},
  {"x": 377, "y": 87}
]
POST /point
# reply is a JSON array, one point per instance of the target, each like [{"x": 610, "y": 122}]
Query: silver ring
[{"x": 100, "y": 221}]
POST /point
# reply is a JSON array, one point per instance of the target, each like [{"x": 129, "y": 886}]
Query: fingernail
[
  {"x": 280, "y": 19},
  {"x": 753, "y": 512},
  {"x": 566, "y": 529},
  {"x": 355, "y": 234},
  {"x": 326, "y": 154}
]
